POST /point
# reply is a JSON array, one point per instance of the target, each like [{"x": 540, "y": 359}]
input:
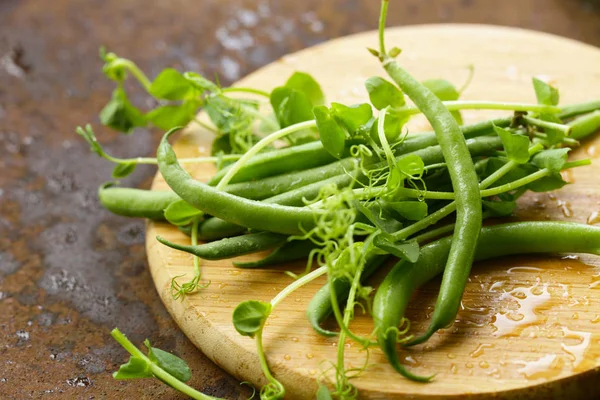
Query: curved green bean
[
  {"x": 248, "y": 213},
  {"x": 289, "y": 251},
  {"x": 136, "y": 203},
  {"x": 230, "y": 247}
]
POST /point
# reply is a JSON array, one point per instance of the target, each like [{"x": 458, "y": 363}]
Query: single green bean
[
  {"x": 251, "y": 214},
  {"x": 392, "y": 296},
  {"x": 230, "y": 247},
  {"x": 136, "y": 203},
  {"x": 277, "y": 162},
  {"x": 274, "y": 185},
  {"x": 289, "y": 251},
  {"x": 464, "y": 182},
  {"x": 584, "y": 126}
]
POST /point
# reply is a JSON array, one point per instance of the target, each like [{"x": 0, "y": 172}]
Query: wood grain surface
[{"x": 529, "y": 326}]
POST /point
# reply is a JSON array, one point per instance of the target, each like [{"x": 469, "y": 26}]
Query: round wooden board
[{"x": 529, "y": 326}]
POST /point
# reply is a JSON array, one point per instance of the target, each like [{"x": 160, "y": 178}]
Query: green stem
[
  {"x": 246, "y": 90},
  {"x": 487, "y": 105},
  {"x": 206, "y": 126},
  {"x": 382, "y": 18},
  {"x": 157, "y": 371},
  {"x": 264, "y": 142},
  {"x": 565, "y": 129},
  {"x": 137, "y": 73},
  {"x": 297, "y": 284}
]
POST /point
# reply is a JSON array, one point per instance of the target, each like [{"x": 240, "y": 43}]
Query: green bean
[
  {"x": 136, "y": 203},
  {"x": 274, "y": 185},
  {"x": 584, "y": 126},
  {"x": 230, "y": 247},
  {"x": 251, "y": 214},
  {"x": 289, "y": 251},
  {"x": 464, "y": 182},
  {"x": 277, "y": 162},
  {"x": 392, "y": 296}
]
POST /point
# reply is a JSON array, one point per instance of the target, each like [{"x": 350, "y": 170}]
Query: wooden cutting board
[{"x": 529, "y": 326}]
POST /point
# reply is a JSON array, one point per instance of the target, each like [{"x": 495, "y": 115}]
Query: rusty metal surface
[{"x": 70, "y": 271}]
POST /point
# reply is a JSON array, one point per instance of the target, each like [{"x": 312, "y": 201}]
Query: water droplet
[
  {"x": 312, "y": 372},
  {"x": 591, "y": 150},
  {"x": 547, "y": 367},
  {"x": 453, "y": 369},
  {"x": 287, "y": 357},
  {"x": 565, "y": 208},
  {"x": 469, "y": 365},
  {"x": 309, "y": 356},
  {"x": 234, "y": 272},
  {"x": 480, "y": 349},
  {"x": 294, "y": 339},
  {"x": 575, "y": 316},
  {"x": 484, "y": 364},
  {"x": 593, "y": 218},
  {"x": 451, "y": 355}
]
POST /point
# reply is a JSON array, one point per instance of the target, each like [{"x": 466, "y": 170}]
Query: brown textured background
[{"x": 70, "y": 271}]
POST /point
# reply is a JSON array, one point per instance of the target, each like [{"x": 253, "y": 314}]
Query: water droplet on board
[
  {"x": 484, "y": 364},
  {"x": 565, "y": 208},
  {"x": 453, "y": 369},
  {"x": 547, "y": 367},
  {"x": 529, "y": 300},
  {"x": 578, "y": 351},
  {"x": 309, "y": 356},
  {"x": 593, "y": 218},
  {"x": 287, "y": 357},
  {"x": 480, "y": 349},
  {"x": 591, "y": 150},
  {"x": 595, "y": 282},
  {"x": 451, "y": 355}
]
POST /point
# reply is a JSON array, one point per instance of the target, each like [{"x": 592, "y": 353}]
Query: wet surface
[{"x": 70, "y": 271}]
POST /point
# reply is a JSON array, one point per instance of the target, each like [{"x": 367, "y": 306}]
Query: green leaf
[
  {"x": 323, "y": 393},
  {"x": 170, "y": 116},
  {"x": 545, "y": 93},
  {"x": 290, "y": 106},
  {"x": 332, "y": 136},
  {"x": 123, "y": 170},
  {"x": 352, "y": 117},
  {"x": 180, "y": 213},
  {"x": 516, "y": 146},
  {"x": 120, "y": 114},
  {"x": 445, "y": 91},
  {"x": 553, "y": 159},
  {"x": 547, "y": 184},
  {"x": 170, "y": 85},
  {"x": 305, "y": 83},
  {"x": 134, "y": 368},
  {"x": 383, "y": 93},
  {"x": 499, "y": 208},
  {"x": 249, "y": 317},
  {"x": 172, "y": 364},
  {"x": 200, "y": 82},
  {"x": 411, "y": 165},
  {"x": 411, "y": 210},
  {"x": 112, "y": 69},
  {"x": 377, "y": 216},
  {"x": 392, "y": 126},
  {"x": 408, "y": 251}
]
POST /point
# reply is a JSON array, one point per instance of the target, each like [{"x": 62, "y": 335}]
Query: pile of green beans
[
  {"x": 362, "y": 195},
  {"x": 346, "y": 189}
]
